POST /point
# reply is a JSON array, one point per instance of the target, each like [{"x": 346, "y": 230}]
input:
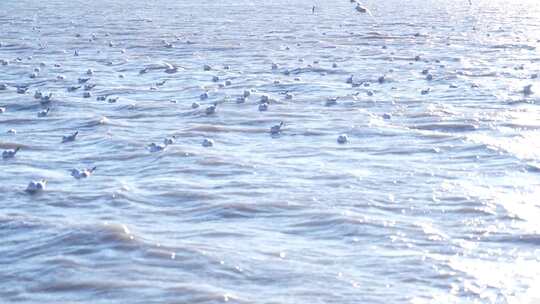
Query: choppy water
[{"x": 437, "y": 204}]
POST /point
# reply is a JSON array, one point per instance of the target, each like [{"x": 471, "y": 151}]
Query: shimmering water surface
[{"x": 435, "y": 202}]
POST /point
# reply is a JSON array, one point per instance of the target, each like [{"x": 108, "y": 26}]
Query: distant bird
[
  {"x": 89, "y": 86},
  {"x": 241, "y": 99},
  {"x": 277, "y": 128},
  {"x": 36, "y": 186},
  {"x": 45, "y": 99},
  {"x": 83, "y": 173},
  {"x": 10, "y": 153},
  {"x": 22, "y": 90},
  {"x": 153, "y": 147},
  {"x": 207, "y": 142},
  {"x": 70, "y": 138},
  {"x": 2, "y": 110},
  {"x": 263, "y": 107},
  {"x": 331, "y": 101},
  {"x": 362, "y": 9},
  {"x": 342, "y": 139},
  {"x": 83, "y": 80},
  {"x": 168, "y": 141},
  {"x": 211, "y": 109},
  {"x": 43, "y": 113},
  {"x": 527, "y": 90}
]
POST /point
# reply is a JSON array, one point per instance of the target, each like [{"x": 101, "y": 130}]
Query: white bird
[
  {"x": 168, "y": 140},
  {"x": 36, "y": 186},
  {"x": 22, "y": 90},
  {"x": 45, "y": 99},
  {"x": 73, "y": 88},
  {"x": 362, "y": 9},
  {"x": 10, "y": 153},
  {"x": 211, "y": 109},
  {"x": 277, "y": 128},
  {"x": 83, "y": 173},
  {"x": 2, "y": 110},
  {"x": 69, "y": 138},
  {"x": 207, "y": 142},
  {"x": 113, "y": 99},
  {"x": 153, "y": 147},
  {"x": 342, "y": 139},
  {"x": 43, "y": 113},
  {"x": 331, "y": 101}
]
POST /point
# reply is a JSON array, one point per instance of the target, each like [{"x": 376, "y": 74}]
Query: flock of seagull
[{"x": 46, "y": 99}]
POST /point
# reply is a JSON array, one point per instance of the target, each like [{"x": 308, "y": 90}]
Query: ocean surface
[{"x": 435, "y": 198}]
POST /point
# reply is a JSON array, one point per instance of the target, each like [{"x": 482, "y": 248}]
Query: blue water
[{"x": 436, "y": 202}]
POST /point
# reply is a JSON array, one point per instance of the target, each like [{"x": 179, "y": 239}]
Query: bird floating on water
[
  {"x": 36, "y": 186},
  {"x": 10, "y": 153},
  {"x": 153, "y": 147},
  {"x": 276, "y": 129},
  {"x": 527, "y": 90},
  {"x": 70, "y": 138},
  {"x": 83, "y": 173},
  {"x": 43, "y": 113},
  {"x": 208, "y": 142},
  {"x": 342, "y": 139},
  {"x": 211, "y": 109}
]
